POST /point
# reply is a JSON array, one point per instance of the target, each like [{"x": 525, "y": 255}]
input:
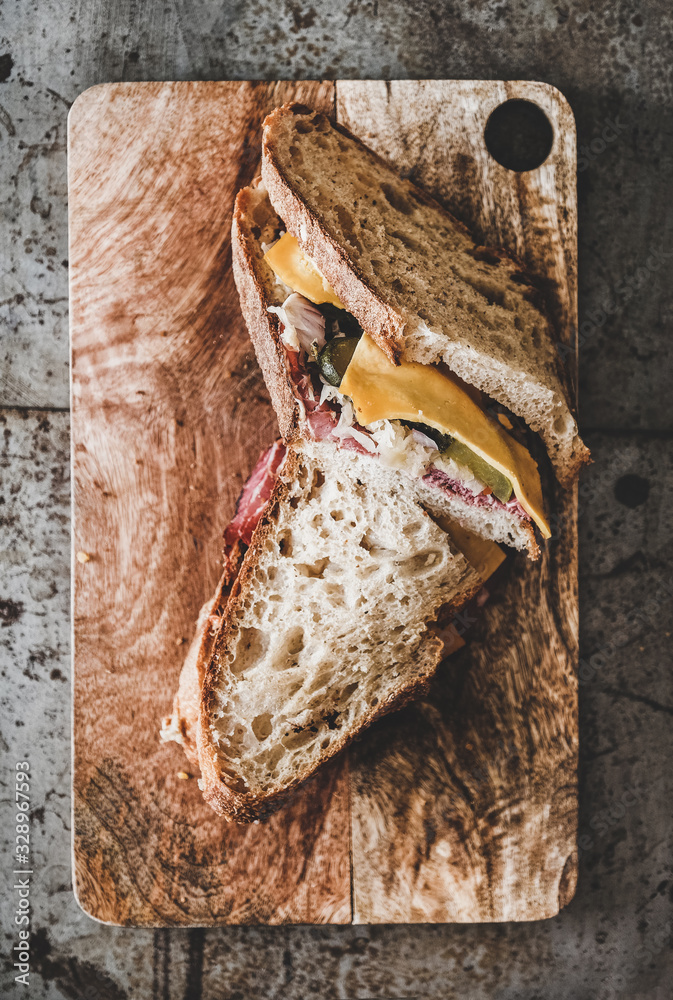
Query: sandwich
[
  {"x": 329, "y": 614},
  {"x": 382, "y": 328},
  {"x": 416, "y": 386}
]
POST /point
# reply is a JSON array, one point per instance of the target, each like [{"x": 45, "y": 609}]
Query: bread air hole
[
  {"x": 251, "y": 647},
  {"x": 349, "y": 690},
  {"x": 563, "y": 423},
  {"x": 410, "y": 242},
  {"x": 295, "y": 740},
  {"x": 315, "y": 569},
  {"x": 321, "y": 680},
  {"x": 234, "y": 781},
  {"x": 238, "y": 735},
  {"x": 397, "y": 199},
  {"x": 261, "y": 726},
  {"x": 335, "y": 592},
  {"x": 321, "y": 123},
  {"x": 285, "y": 544},
  {"x": 370, "y": 544},
  {"x": 418, "y": 565},
  {"x": 293, "y": 641},
  {"x": 273, "y": 758},
  {"x": 493, "y": 294}
]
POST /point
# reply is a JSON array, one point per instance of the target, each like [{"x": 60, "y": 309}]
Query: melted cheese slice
[
  {"x": 294, "y": 268},
  {"x": 381, "y": 390},
  {"x": 483, "y": 555}
]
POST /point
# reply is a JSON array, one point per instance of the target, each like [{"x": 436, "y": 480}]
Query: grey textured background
[{"x": 613, "y": 62}]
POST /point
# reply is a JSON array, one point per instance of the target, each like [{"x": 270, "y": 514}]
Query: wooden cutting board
[{"x": 461, "y": 808}]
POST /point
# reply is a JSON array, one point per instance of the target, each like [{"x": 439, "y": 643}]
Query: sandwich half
[
  {"x": 381, "y": 327},
  {"x": 328, "y": 615}
]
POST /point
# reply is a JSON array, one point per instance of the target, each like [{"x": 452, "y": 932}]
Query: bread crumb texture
[
  {"x": 378, "y": 238},
  {"x": 332, "y": 623}
]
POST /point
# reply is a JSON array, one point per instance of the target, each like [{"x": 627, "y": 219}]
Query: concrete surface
[{"x": 612, "y": 60}]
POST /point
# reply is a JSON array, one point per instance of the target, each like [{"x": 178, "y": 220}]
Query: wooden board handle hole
[{"x": 518, "y": 135}]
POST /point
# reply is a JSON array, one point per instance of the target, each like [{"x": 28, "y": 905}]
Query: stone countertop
[{"x": 612, "y": 61}]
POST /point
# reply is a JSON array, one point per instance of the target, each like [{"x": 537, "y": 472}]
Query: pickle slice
[
  {"x": 499, "y": 484},
  {"x": 347, "y": 323},
  {"x": 335, "y": 358}
]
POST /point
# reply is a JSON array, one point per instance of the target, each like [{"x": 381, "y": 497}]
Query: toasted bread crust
[
  {"x": 253, "y": 213},
  {"x": 263, "y": 326},
  {"x": 384, "y": 323},
  {"x": 237, "y": 803},
  {"x": 180, "y": 726},
  {"x": 199, "y": 678},
  {"x": 248, "y": 807},
  {"x": 380, "y": 320}
]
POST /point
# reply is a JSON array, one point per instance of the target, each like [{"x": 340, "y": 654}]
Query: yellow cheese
[
  {"x": 287, "y": 260},
  {"x": 381, "y": 390},
  {"x": 483, "y": 555}
]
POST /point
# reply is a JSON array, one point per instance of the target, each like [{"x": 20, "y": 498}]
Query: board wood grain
[
  {"x": 464, "y": 806},
  {"x": 169, "y": 416}
]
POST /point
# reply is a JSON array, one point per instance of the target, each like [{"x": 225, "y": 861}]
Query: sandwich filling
[
  {"x": 252, "y": 501},
  {"x": 484, "y": 556},
  {"x": 420, "y": 419}
]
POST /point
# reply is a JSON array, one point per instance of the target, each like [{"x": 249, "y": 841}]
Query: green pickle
[
  {"x": 347, "y": 323},
  {"x": 499, "y": 484},
  {"x": 335, "y": 358}
]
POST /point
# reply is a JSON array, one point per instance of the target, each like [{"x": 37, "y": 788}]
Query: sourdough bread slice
[
  {"x": 255, "y": 226},
  {"x": 492, "y": 523},
  {"x": 414, "y": 277},
  {"x": 328, "y": 626}
]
